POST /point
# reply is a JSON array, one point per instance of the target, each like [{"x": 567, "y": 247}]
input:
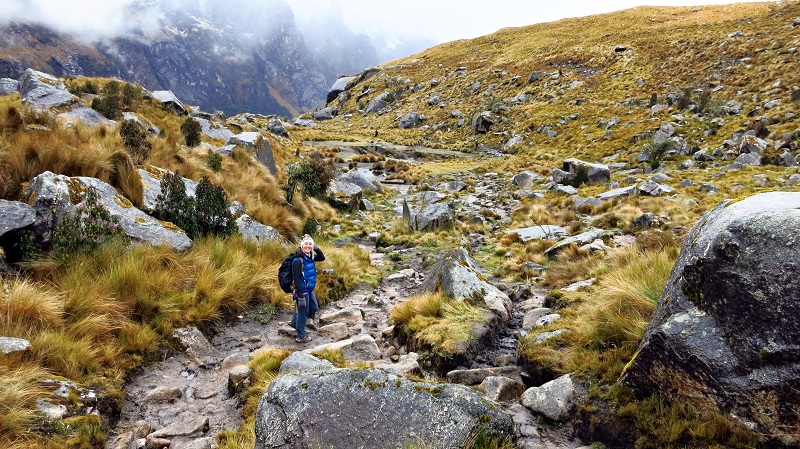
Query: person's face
[{"x": 307, "y": 246}]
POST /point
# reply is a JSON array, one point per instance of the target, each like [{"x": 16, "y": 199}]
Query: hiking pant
[{"x": 304, "y": 313}]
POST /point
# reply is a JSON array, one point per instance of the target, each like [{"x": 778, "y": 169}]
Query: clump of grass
[
  {"x": 436, "y": 321},
  {"x": 676, "y": 425},
  {"x": 606, "y": 330},
  {"x": 19, "y": 390}
]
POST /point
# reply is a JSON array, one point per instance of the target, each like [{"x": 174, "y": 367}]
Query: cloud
[{"x": 87, "y": 19}]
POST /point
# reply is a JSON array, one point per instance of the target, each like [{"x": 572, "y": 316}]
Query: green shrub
[
  {"x": 135, "y": 140},
  {"x": 91, "y": 226},
  {"x": 656, "y": 151},
  {"x": 214, "y": 161},
  {"x": 190, "y": 128},
  {"x": 175, "y": 206},
  {"x": 211, "y": 210},
  {"x": 207, "y": 213},
  {"x": 110, "y": 104},
  {"x": 313, "y": 177},
  {"x": 130, "y": 95}
]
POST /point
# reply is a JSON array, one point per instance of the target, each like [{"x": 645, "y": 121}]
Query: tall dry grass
[
  {"x": 20, "y": 388},
  {"x": 435, "y": 321},
  {"x": 606, "y": 328}
]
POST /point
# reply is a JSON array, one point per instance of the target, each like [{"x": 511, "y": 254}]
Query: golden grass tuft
[
  {"x": 436, "y": 321},
  {"x": 126, "y": 178},
  {"x": 19, "y": 390},
  {"x": 606, "y": 329},
  {"x": 28, "y": 308}
]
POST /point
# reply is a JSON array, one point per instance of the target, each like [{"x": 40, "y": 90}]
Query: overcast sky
[{"x": 439, "y": 20}]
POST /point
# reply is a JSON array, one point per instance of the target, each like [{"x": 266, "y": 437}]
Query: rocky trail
[{"x": 184, "y": 400}]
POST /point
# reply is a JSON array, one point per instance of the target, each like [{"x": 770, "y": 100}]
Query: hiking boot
[
  {"x": 310, "y": 324},
  {"x": 305, "y": 339}
]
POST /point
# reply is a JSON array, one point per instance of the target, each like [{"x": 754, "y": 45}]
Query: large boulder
[
  {"x": 346, "y": 194},
  {"x": 459, "y": 275},
  {"x": 214, "y": 130},
  {"x": 54, "y": 196},
  {"x": 257, "y": 232},
  {"x": 575, "y": 169},
  {"x": 85, "y": 115},
  {"x": 42, "y": 91},
  {"x": 724, "y": 336},
  {"x": 170, "y": 102},
  {"x": 339, "y": 86},
  {"x": 8, "y": 86},
  {"x": 427, "y": 211},
  {"x": 15, "y": 215},
  {"x": 372, "y": 408}
]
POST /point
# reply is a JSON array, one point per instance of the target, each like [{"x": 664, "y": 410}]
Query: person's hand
[{"x": 316, "y": 248}]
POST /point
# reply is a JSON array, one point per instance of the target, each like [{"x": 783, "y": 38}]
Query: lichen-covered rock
[
  {"x": 363, "y": 407},
  {"x": 724, "y": 336},
  {"x": 428, "y": 210},
  {"x": 53, "y": 196},
  {"x": 42, "y": 91},
  {"x": 459, "y": 275}
]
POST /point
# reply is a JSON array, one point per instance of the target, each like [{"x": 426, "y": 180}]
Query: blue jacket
[{"x": 304, "y": 271}]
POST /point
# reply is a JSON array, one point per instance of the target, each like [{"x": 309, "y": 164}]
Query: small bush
[
  {"x": 211, "y": 210},
  {"x": 214, "y": 161},
  {"x": 135, "y": 140},
  {"x": 656, "y": 151},
  {"x": 110, "y": 104},
  {"x": 91, "y": 226},
  {"x": 190, "y": 128},
  {"x": 175, "y": 206},
  {"x": 313, "y": 177},
  {"x": 130, "y": 95}
]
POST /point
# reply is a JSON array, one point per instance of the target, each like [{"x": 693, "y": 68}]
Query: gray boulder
[
  {"x": 214, "y": 130},
  {"x": 15, "y": 215},
  {"x": 594, "y": 172},
  {"x": 540, "y": 232},
  {"x": 483, "y": 121},
  {"x": 13, "y": 344},
  {"x": 356, "y": 177},
  {"x": 346, "y": 193},
  {"x": 525, "y": 180},
  {"x": 324, "y": 409},
  {"x": 339, "y": 86},
  {"x": 245, "y": 139},
  {"x": 264, "y": 154},
  {"x": 580, "y": 239},
  {"x": 652, "y": 188},
  {"x": 277, "y": 127},
  {"x": 144, "y": 124},
  {"x": 427, "y": 211},
  {"x": 53, "y": 196},
  {"x": 664, "y": 132},
  {"x": 459, "y": 275},
  {"x": 410, "y": 120},
  {"x": 378, "y": 104},
  {"x": 256, "y": 232},
  {"x": 169, "y": 101},
  {"x": 42, "y": 91},
  {"x": 724, "y": 336},
  {"x": 197, "y": 346},
  {"x": 618, "y": 193},
  {"x": 8, "y": 86},
  {"x": 323, "y": 114},
  {"x": 360, "y": 348},
  {"x": 85, "y": 115},
  {"x": 555, "y": 399}
]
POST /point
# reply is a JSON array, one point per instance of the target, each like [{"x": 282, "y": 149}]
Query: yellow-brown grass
[
  {"x": 437, "y": 322},
  {"x": 19, "y": 390}
]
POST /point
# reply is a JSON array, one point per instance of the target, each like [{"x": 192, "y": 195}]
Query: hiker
[{"x": 304, "y": 273}]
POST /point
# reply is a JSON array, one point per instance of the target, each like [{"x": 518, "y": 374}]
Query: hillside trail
[{"x": 188, "y": 397}]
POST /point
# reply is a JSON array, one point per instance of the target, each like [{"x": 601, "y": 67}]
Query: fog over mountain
[{"x": 268, "y": 56}]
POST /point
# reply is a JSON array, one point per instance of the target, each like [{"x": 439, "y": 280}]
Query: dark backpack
[{"x": 285, "y": 273}]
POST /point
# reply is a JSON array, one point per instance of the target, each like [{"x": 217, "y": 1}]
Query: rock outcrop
[
  {"x": 324, "y": 409},
  {"x": 724, "y": 336}
]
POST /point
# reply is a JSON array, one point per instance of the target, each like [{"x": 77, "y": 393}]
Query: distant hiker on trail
[{"x": 304, "y": 273}]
